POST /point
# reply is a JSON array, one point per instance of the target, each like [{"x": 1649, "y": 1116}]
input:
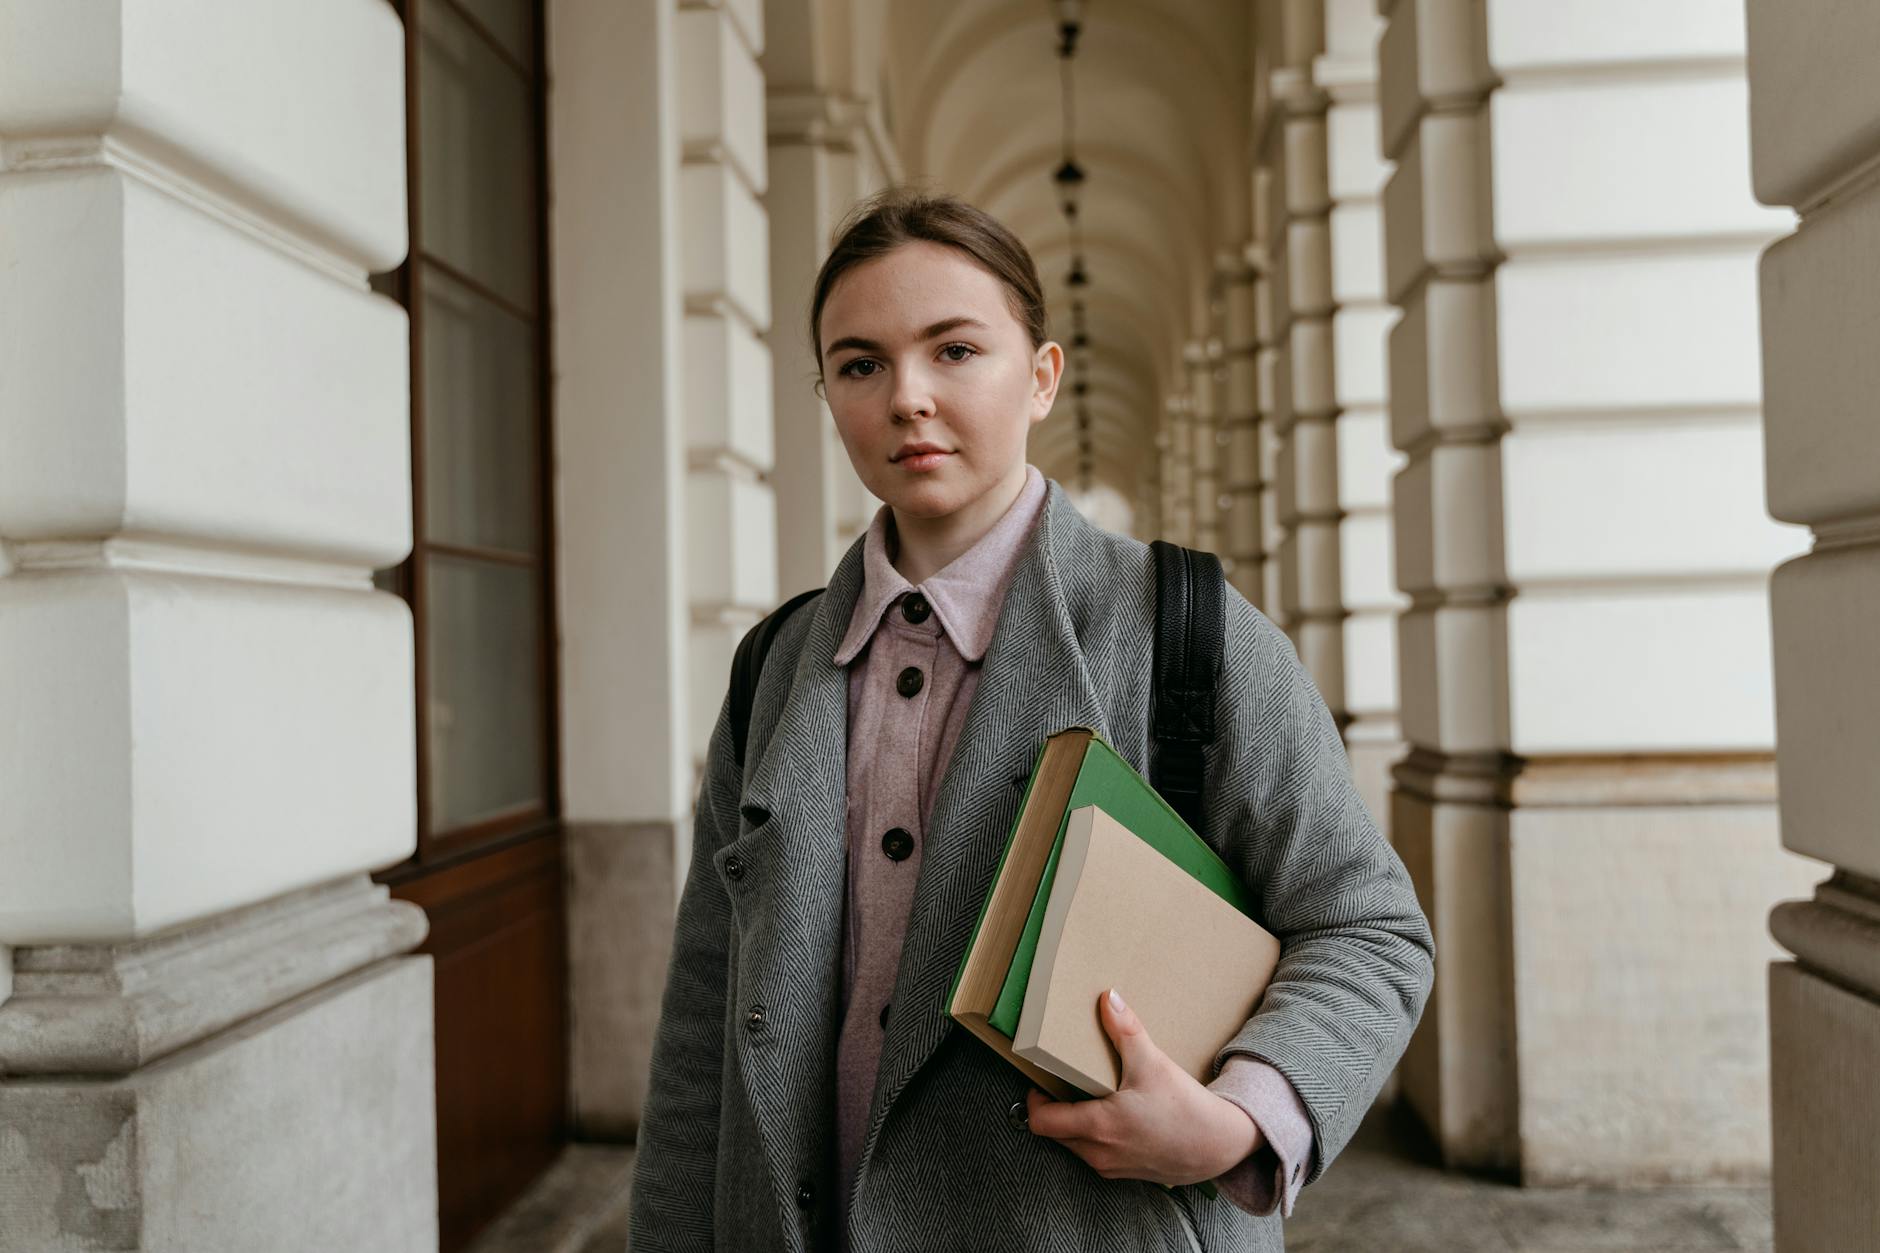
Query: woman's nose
[{"x": 913, "y": 395}]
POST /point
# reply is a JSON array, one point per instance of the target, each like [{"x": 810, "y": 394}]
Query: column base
[
  {"x": 263, "y": 1079},
  {"x": 310, "y": 1127},
  {"x": 623, "y": 883},
  {"x": 1824, "y": 1039},
  {"x": 1597, "y": 1017}
]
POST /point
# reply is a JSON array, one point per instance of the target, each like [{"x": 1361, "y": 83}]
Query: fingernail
[{"x": 1116, "y": 1001}]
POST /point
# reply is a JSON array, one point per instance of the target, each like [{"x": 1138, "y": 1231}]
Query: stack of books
[{"x": 1103, "y": 885}]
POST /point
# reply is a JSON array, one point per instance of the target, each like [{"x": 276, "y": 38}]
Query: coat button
[
  {"x": 1016, "y": 1118},
  {"x": 734, "y": 867},
  {"x": 915, "y": 608},
  {"x": 754, "y": 1021},
  {"x": 897, "y": 843},
  {"x": 884, "y": 1017},
  {"x": 909, "y": 682},
  {"x": 806, "y": 1194}
]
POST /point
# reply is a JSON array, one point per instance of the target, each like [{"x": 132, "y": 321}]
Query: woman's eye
[
  {"x": 854, "y": 368},
  {"x": 964, "y": 351}
]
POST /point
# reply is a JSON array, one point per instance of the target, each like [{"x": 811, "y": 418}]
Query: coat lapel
[{"x": 1033, "y": 683}]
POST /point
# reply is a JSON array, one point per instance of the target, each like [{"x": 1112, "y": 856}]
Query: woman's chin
[{"x": 923, "y": 497}]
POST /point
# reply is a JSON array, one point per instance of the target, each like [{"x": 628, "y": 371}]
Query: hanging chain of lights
[{"x": 1069, "y": 178}]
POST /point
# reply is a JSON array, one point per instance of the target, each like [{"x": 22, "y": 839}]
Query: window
[{"x": 479, "y": 579}]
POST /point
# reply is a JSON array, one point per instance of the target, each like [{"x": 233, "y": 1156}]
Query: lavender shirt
[{"x": 914, "y": 657}]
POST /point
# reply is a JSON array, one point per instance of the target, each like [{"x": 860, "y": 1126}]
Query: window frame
[{"x": 406, "y": 285}]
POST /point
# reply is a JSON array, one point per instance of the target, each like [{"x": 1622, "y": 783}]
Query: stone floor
[
  {"x": 579, "y": 1206},
  {"x": 1383, "y": 1195}
]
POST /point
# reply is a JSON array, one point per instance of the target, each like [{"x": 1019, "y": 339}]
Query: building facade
[{"x": 407, "y": 407}]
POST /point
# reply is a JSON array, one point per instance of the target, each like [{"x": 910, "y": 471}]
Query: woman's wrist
[{"x": 1238, "y": 1136}]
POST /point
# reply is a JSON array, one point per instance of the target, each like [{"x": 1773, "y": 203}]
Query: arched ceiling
[{"x": 970, "y": 91}]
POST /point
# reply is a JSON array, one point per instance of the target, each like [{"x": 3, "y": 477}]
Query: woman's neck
[{"x": 924, "y": 546}]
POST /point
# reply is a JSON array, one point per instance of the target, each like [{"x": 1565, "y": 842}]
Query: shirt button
[
  {"x": 734, "y": 867},
  {"x": 754, "y": 1021},
  {"x": 1015, "y": 1116},
  {"x": 884, "y": 1017},
  {"x": 897, "y": 843},
  {"x": 915, "y": 608},
  {"x": 909, "y": 682},
  {"x": 806, "y": 1194}
]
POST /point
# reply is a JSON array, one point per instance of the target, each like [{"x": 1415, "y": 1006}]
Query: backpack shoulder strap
[
  {"x": 748, "y": 663},
  {"x": 1190, "y": 634}
]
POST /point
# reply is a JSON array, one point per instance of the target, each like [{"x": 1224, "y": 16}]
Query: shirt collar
[{"x": 965, "y": 595}]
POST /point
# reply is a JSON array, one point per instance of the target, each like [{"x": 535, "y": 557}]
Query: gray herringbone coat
[{"x": 736, "y": 1147}]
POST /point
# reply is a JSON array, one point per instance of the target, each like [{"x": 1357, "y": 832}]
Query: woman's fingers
[{"x": 1092, "y": 1121}]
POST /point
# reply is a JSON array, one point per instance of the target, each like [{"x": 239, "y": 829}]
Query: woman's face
[{"x": 921, "y": 346}]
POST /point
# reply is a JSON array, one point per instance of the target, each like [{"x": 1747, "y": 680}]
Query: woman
[{"x": 808, "y": 1089}]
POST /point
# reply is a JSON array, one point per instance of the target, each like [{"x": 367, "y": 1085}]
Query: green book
[
  {"x": 1110, "y": 783},
  {"x": 1074, "y": 767}
]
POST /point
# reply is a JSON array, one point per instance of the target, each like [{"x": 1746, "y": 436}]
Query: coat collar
[
  {"x": 965, "y": 594},
  {"x": 1034, "y": 682}
]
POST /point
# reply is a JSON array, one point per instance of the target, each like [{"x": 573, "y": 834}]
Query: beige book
[{"x": 1122, "y": 915}]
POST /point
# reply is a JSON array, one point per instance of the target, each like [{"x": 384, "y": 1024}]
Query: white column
[
  {"x": 1361, "y": 318},
  {"x": 826, "y": 155},
  {"x": 1242, "y": 545},
  {"x": 1571, "y": 239},
  {"x": 1180, "y": 461},
  {"x": 1272, "y": 360},
  {"x": 1205, "y": 489},
  {"x": 731, "y": 517},
  {"x": 1815, "y": 125},
  {"x": 1310, "y": 560},
  {"x": 628, "y": 715},
  {"x": 204, "y": 413}
]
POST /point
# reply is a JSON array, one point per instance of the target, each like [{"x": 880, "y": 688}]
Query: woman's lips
[{"x": 922, "y": 460}]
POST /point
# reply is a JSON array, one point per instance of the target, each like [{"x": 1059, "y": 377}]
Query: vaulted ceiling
[{"x": 970, "y": 94}]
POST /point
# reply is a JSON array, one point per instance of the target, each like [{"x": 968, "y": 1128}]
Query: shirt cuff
[{"x": 1269, "y": 1177}]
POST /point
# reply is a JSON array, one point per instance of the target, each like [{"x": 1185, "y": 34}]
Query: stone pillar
[
  {"x": 1272, "y": 367},
  {"x": 731, "y": 516},
  {"x": 628, "y": 714},
  {"x": 1366, "y": 459},
  {"x": 827, "y": 153},
  {"x": 1815, "y": 126},
  {"x": 208, "y": 738},
  {"x": 1242, "y": 551},
  {"x": 1588, "y": 807},
  {"x": 1307, "y": 485},
  {"x": 1179, "y": 463},
  {"x": 1205, "y": 490}
]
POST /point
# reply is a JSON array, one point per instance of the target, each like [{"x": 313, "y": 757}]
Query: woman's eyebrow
[{"x": 932, "y": 332}]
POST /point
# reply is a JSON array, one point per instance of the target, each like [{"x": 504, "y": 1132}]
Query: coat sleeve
[
  {"x": 1356, "y": 955},
  {"x": 675, "y": 1172}
]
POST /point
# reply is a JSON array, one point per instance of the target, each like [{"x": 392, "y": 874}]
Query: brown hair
[{"x": 903, "y": 215}]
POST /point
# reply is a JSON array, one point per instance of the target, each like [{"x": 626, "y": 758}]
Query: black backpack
[{"x": 1190, "y": 632}]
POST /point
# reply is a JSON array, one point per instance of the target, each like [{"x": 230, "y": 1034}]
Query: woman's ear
[{"x": 1047, "y": 370}]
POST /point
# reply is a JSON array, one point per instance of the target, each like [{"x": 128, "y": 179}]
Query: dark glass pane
[
  {"x": 476, "y": 158},
  {"x": 479, "y": 415},
  {"x": 483, "y": 629},
  {"x": 510, "y": 22}
]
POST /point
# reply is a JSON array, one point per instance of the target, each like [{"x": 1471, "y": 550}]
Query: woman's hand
[{"x": 1158, "y": 1125}]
